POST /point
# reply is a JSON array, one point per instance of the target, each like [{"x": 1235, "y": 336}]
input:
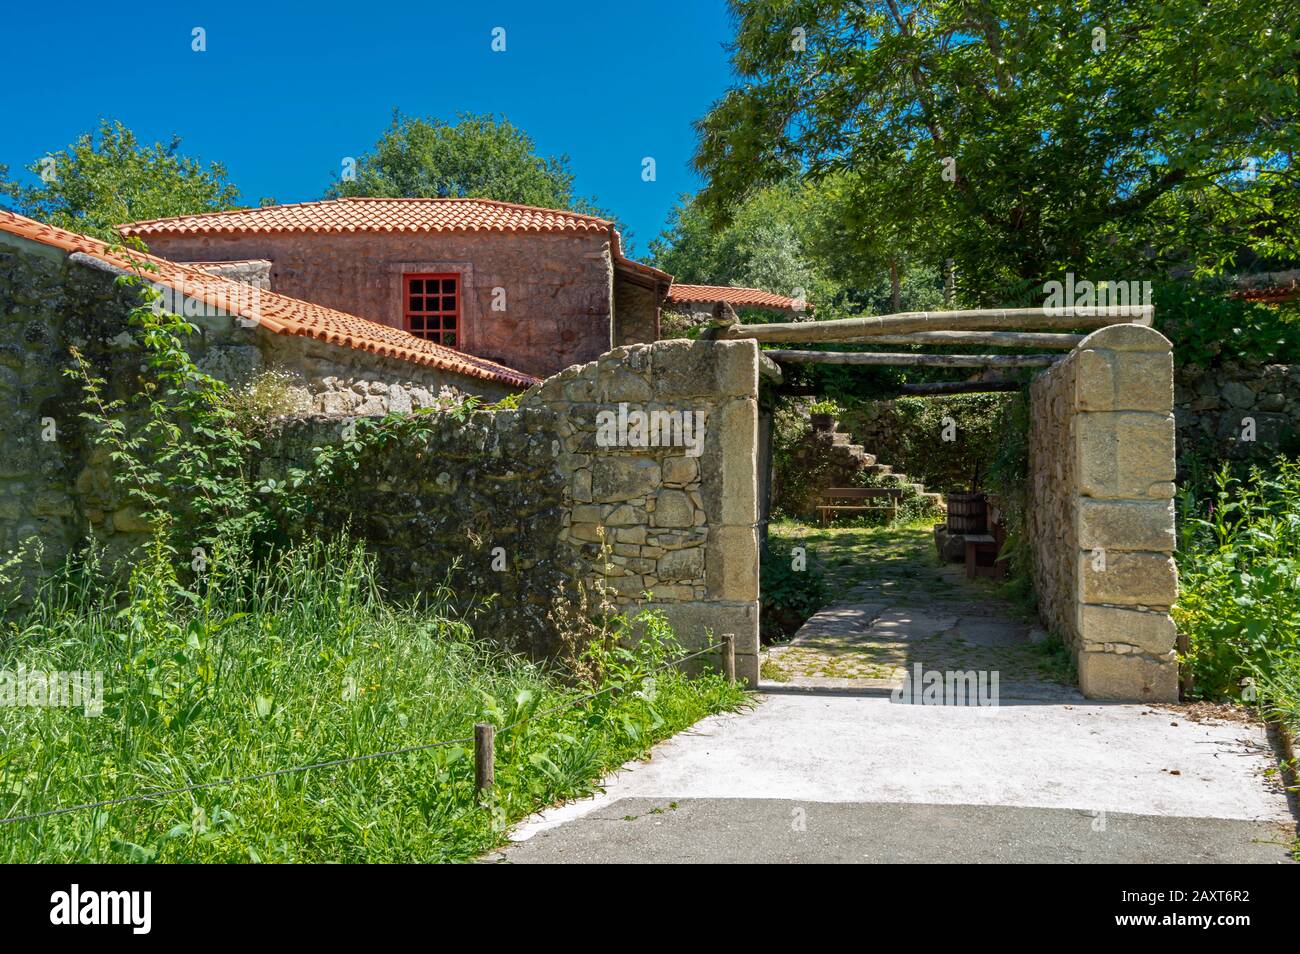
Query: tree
[
  {"x": 1023, "y": 140},
  {"x": 474, "y": 157},
  {"x": 101, "y": 181},
  {"x": 794, "y": 239},
  {"x": 761, "y": 247}
]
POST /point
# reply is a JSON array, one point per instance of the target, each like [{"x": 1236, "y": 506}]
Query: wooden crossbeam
[
  {"x": 992, "y": 339},
  {"x": 913, "y": 360},
  {"x": 974, "y": 319}
]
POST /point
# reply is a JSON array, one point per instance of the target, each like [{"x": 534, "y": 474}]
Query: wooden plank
[
  {"x": 861, "y": 492},
  {"x": 836, "y": 508},
  {"x": 973, "y": 319},
  {"x": 993, "y": 339},
  {"x": 913, "y": 360}
]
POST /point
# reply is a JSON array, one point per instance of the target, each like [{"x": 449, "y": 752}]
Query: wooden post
[
  {"x": 729, "y": 656},
  {"x": 484, "y": 758}
]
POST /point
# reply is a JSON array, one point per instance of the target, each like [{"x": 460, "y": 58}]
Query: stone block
[
  {"x": 737, "y": 446},
  {"x": 1131, "y": 677},
  {"x": 732, "y": 563},
  {"x": 1151, "y": 632},
  {"x": 626, "y": 515},
  {"x": 1145, "y": 579},
  {"x": 622, "y": 478},
  {"x": 680, "y": 470},
  {"x": 673, "y": 509},
  {"x": 681, "y": 564},
  {"x": 1126, "y": 336},
  {"x": 698, "y": 624},
  {"x": 1125, "y": 524},
  {"x": 737, "y": 368},
  {"x": 1125, "y": 454},
  {"x": 1124, "y": 381},
  {"x": 615, "y": 385}
]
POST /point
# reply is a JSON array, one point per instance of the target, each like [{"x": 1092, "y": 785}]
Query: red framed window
[{"x": 431, "y": 307}]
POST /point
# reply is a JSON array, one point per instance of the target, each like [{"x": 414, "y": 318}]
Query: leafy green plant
[
  {"x": 1239, "y": 564},
  {"x": 790, "y": 595},
  {"x": 178, "y": 451},
  {"x": 824, "y": 407},
  {"x": 1206, "y": 324}
]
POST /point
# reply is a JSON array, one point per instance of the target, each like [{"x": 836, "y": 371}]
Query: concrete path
[
  {"x": 827, "y": 767},
  {"x": 932, "y": 616},
  {"x": 822, "y": 777}
]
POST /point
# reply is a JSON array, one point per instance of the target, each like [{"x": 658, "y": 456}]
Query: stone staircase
[{"x": 856, "y": 461}]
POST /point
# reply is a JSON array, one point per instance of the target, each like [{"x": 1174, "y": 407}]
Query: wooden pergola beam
[
  {"x": 913, "y": 360},
  {"x": 992, "y": 339},
  {"x": 975, "y": 319}
]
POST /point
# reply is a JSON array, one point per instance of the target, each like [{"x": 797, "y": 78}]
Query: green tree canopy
[
  {"x": 1022, "y": 140},
  {"x": 792, "y": 239},
  {"x": 475, "y": 157},
  {"x": 108, "y": 178}
]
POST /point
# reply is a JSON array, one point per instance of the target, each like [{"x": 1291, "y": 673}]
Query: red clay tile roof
[
  {"x": 277, "y": 313},
  {"x": 737, "y": 297},
  {"x": 359, "y": 214},
  {"x": 365, "y": 214}
]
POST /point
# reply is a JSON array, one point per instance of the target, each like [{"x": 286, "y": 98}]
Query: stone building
[{"x": 534, "y": 289}]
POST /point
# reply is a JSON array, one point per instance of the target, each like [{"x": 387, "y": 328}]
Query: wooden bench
[{"x": 849, "y": 500}]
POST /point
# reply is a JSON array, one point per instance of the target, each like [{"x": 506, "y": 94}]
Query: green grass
[
  {"x": 306, "y": 663},
  {"x": 851, "y": 554}
]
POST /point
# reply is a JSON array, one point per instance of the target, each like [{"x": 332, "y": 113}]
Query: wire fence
[{"x": 726, "y": 645}]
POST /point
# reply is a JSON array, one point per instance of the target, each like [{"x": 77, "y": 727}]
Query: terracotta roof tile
[
  {"x": 735, "y": 296},
  {"x": 365, "y": 214},
  {"x": 277, "y": 313},
  {"x": 376, "y": 215}
]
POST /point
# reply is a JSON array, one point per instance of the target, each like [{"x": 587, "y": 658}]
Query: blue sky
[{"x": 284, "y": 92}]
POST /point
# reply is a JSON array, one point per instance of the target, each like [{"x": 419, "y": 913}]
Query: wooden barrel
[{"x": 967, "y": 513}]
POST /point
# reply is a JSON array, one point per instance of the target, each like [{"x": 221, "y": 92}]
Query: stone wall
[
  {"x": 1101, "y": 518},
  {"x": 1053, "y": 482},
  {"x": 1218, "y": 409},
  {"x": 555, "y": 307},
  {"x": 682, "y": 529},
  {"x": 658, "y": 527},
  {"x": 54, "y": 488}
]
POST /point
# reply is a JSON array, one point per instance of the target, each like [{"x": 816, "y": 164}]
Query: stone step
[{"x": 881, "y": 469}]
